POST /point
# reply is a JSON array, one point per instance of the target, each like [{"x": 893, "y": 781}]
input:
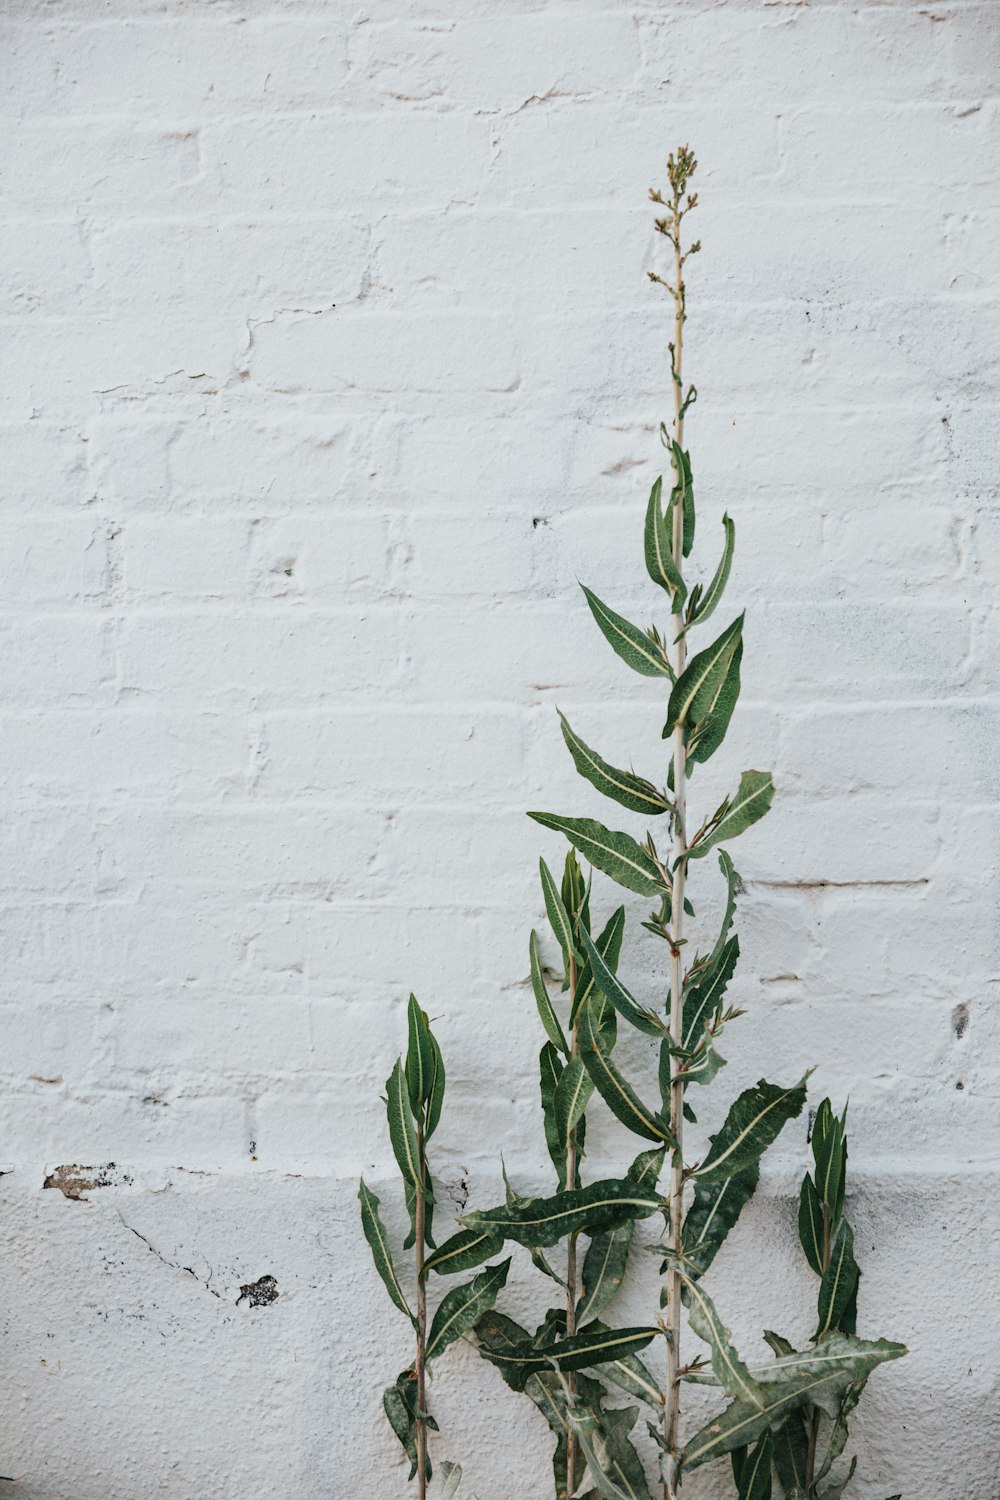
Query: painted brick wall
[{"x": 327, "y": 365}]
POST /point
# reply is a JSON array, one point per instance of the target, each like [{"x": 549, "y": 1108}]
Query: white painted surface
[{"x": 327, "y": 365}]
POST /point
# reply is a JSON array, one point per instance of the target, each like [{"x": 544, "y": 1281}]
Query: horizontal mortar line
[{"x": 899, "y": 883}]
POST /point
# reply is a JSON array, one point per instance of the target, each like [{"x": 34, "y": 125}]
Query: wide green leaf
[
  {"x": 463, "y": 1306},
  {"x": 581, "y": 1352},
  {"x": 623, "y": 787},
  {"x": 616, "y": 1092},
  {"x": 714, "y": 1210},
  {"x": 616, "y": 854},
  {"x": 755, "y": 1473},
  {"x": 704, "y": 996},
  {"x": 629, "y": 642},
  {"x": 558, "y": 916},
  {"x": 754, "y": 1121},
  {"x": 464, "y": 1251},
  {"x": 698, "y": 684},
  {"x": 603, "y": 1270},
  {"x": 419, "y": 1057},
  {"x": 546, "y": 1012},
  {"x": 716, "y": 712},
  {"x": 811, "y": 1224},
  {"x": 753, "y": 798},
  {"x": 400, "y": 1404},
  {"x": 378, "y": 1240},
  {"x": 613, "y": 990},
  {"x": 658, "y": 550},
  {"x": 839, "y": 1280},
  {"x": 572, "y": 1095},
  {"x": 540, "y": 1222},
  {"x": 402, "y": 1133}
]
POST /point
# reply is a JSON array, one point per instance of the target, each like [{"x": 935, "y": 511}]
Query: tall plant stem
[
  {"x": 420, "y": 1363},
  {"x": 815, "y": 1416},
  {"x": 671, "y": 1410},
  {"x": 571, "y": 1272}
]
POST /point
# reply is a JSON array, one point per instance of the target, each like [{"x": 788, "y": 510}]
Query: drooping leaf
[
  {"x": 658, "y": 549},
  {"x": 733, "y": 887},
  {"x": 704, "y": 996},
  {"x": 581, "y": 1352},
  {"x": 613, "y": 990},
  {"x": 542, "y": 1222},
  {"x": 378, "y": 1240},
  {"x": 546, "y": 1013},
  {"x": 419, "y": 1057},
  {"x": 730, "y": 1370},
  {"x": 834, "y": 1491},
  {"x": 682, "y": 494},
  {"x": 755, "y": 1119},
  {"x": 839, "y": 1280},
  {"x": 558, "y": 916},
  {"x": 402, "y": 1133},
  {"x": 753, "y": 798},
  {"x": 701, "y": 678},
  {"x": 716, "y": 712},
  {"x": 629, "y": 642},
  {"x": 602, "y": 1436},
  {"x": 603, "y": 1269},
  {"x": 713, "y": 593},
  {"x": 623, "y": 787},
  {"x": 451, "y": 1479},
  {"x": 811, "y": 1224},
  {"x": 609, "y": 946},
  {"x": 400, "y": 1404},
  {"x": 498, "y": 1334},
  {"x": 463, "y": 1252},
  {"x": 572, "y": 1096},
  {"x": 632, "y": 1376},
  {"x": 791, "y": 1456},
  {"x": 463, "y": 1306},
  {"x": 616, "y": 854},
  {"x": 550, "y": 1069},
  {"x": 715, "y": 1209},
  {"x": 837, "y": 1440},
  {"x": 755, "y": 1472},
  {"x": 616, "y": 1092},
  {"x": 436, "y": 1099}
]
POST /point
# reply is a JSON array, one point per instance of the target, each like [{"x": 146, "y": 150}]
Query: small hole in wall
[
  {"x": 537, "y": 521},
  {"x": 960, "y": 1086}
]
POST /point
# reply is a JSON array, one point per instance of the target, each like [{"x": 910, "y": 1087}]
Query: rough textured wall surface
[{"x": 328, "y": 364}]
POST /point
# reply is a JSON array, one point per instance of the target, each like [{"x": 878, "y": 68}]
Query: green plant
[
  {"x": 566, "y": 1365},
  {"x": 414, "y": 1097}
]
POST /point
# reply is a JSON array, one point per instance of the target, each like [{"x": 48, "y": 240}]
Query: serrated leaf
[
  {"x": 540, "y": 1222},
  {"x": 658, "y": 550},
  {"x": 616, "y": 1092},
  {"x": 543, "y": 1001},
  {"x": 753, "y": 798},
  {"x": 602, "y": 1436},
  {"x": 755, "y": 1472},
  {"x": 839, "y": 1280},
  {"x": 701, "y": 679},
  {"x": 419, "y": 1057},
  {"x": 609, "y": 946},
  {"x": 463, "y": 1306},
  {"x": 623, "y": 787},
  {"x": 558, "y": 916},
  {"x": 755, "y": 1119},
  {"x": 402, "y": 1133},
  {"x": 811, "y": 1224},
  {"x": 716, "y": 712},
  {"x": 581, "y": 1352},
  {"x": 710, "y": 598},
  {"x": 571, "y": 1098},
  {"x": 714, "y": 1210},
  {"x": 465, "y": 1250},
  {"x": 616, "y": 854},
  {"x": 629, "y": 642},
  {"x": 615, "y": 992},
  {"x": 704, "y": 996},
  {"x": 378, "y": 1240}
]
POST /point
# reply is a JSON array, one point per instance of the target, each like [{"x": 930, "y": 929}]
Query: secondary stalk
[
  {"x": 571, "y": 1273},
  {"x": 420, "y": 1363}
]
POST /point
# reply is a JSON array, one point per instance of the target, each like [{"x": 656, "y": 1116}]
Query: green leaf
[
  {"x": 581, "y": 1352},
  {"x": 400, "y": 1404},
  {"x": 714, "y": 1210},
  {"x": 609, "y": 946},
  {"x": 683, "y": 492},
  {"x": 498, "y": 1334},
  {"x": 614, "y": 991},
  {"x": 716, "y": 712},
  {"x": 410, "y": 1193},
  {"x": 754, "y": 1121},
  {"x": 465, "y": 1250},
  {"x": 623, "y": 787},
  {"x": 710, "y": 598},
  {"x": 839, "y": 1280},
  {"x": 550, "y": 1071},
  {"x": 617, "y": 1094},
  {"x": 658, "y": 550},
  {"x": 791, "y": 1456},
  {"x": 540, "y": 1222},
  {"x": 463, "y": 1306},
  {"x": 451, "y": 1479},
  {"x": 730, "y": 1371},
  {"x": 811, "y": 1224},
  {"x": 631, "y": 1375},
  {"x": 839, "y": 1433},
  {"x": 546, "y": 1013},
  {"x": 571, "y": 1098},
  {"x": 616, "y": 854},
  {"x": 733, "y": 887},
  {"x": 613, "y": 1464},
  {"x": 829, "y": 1146},
  {"x": 704, "y": 995},
  {"x": 603, "y": 1270},
  {"x": 402, "y": 1134},
  {"x": 753, "y": 798},
  {"x": 436, "y": 1099},
  {"x": 632, "y": 644},
  {"x": 558, "y": 915},
  {"x": 815, "y": 1377},
  {"x": 698, "y": 684},
  {"x": 378, "y": 1240},
  {"x": 419, "y": 1057},
  {"x": 755, "y": 1473}
]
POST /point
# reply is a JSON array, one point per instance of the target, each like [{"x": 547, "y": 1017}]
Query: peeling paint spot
[
  {"x": 260, "y": 1293},
  {"x": 960, "y": 1020},
  {"x": 75, "y": 1181}
]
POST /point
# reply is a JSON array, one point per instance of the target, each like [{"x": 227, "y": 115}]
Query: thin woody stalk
[
  {"x": 571, "y": 1267},
  {"x": 420, "y": 1361}
]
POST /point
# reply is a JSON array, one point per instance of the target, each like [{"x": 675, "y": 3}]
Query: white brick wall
[{"x": 327, "y": 364}]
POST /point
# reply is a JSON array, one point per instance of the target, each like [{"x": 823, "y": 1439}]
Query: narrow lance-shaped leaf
[
  {"x": 571, "y": 1098},
  {"x": 705, "y": 995},
  {"x": 378, "y": 1240},
  {"x": 581, "y": 1352},
  {"x": 755, "y": 1475},
  {"x": 701, "y": 677},
  {"x": 811, "y": 1225},
  {"x": 550, "y": 1070},
  {"x": 658, "y": 550},
  {"x": 436, "y": 1100},
  {"x": 463, "y": 1306},
  {"x": 402, "y": 1134},
  {"x": 623, "y": 787},
  {"x": 791, "y": 1456},
  {"x": 716, "y": 712},
  {"x": 839, "y": 1280},
  {"x": 710, "y": 598},
  {"x": 629, "y": 642},
  {"x": 754, "y": 1121},
  {"x": 546, "y": 1013},
  {"x": 539, "y": 1222},
  {"x": 614, "y": 991},
  {"x": 730, "y": 1371},
  {"x": 753, "y": 798},
  {"x": 715, "y": 1209},
  {"x": 609, "y": 946},
  {"x": 557, "y": 913},
  {"x": 463, "y": 1252},
  {"x": 617, "y": 1094},
  {"x": 419, "y": 1057},
  {"x": 616, "y": 854},
  {"x": 683, "y": 494}
]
